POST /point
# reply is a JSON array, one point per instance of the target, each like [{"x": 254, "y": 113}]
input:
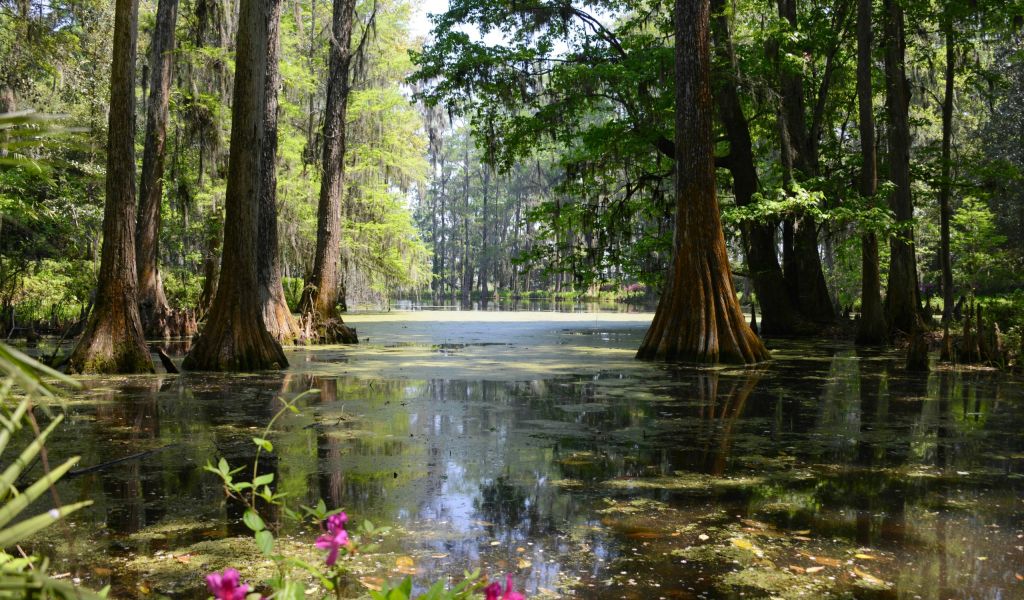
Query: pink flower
[
  {"x": 225, "y": 586},
  {"x": 493, "y": 591},
  {"x": 335, "y": 538}
]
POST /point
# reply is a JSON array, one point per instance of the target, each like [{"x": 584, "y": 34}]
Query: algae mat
[{"x": 503, "y": 346}]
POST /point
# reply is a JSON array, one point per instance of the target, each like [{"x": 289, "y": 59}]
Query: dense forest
[{"x": 251, "y": 170}]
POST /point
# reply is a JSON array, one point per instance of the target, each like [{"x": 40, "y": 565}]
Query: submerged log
[{"x": 166, "y": 361}]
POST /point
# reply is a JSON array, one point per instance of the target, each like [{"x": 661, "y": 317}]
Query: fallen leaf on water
[
  {"x": 520, "y": 549},
  {"x": 644, "y": 535},
  {"x": 828, "y": 562},
  {"x": 703, "y": 537},
  {"x": 101, "y": 571},
  {"x": 495, "y": 543},
  {"x": 813, "y": 570},
  {"x": 746, "y": 545},
  {"x": 405, "y": 565},
  {"x": 802, "y": 538},
  {"x": 183, "y": 558},
  {"x": 865, "y": 556},
  {"x": 803, "y": 532},
  {"x": 438, "y": 556},
  {"x": 797, "y": 569},
  {"x": 372, "y": 583},
  {"x": 524, "y": 564},
  {"x": 868, "y": 577},
  {"x": 1019, "y": 576}
]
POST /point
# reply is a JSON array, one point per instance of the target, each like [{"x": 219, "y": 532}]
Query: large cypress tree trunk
[
  {"x": 153, "y": 306},
  {"x": 902, "y": 301},
  {"x": 698, "y": 317},
  {"x": 235, "y": 338},
  {"x": 320, "y": 296},
  {"x": 113, "y": 340},
  {"x": 872, "y": 327},
  {"x": 779, "y": 315},
  {"x": 276, "y": 315}
]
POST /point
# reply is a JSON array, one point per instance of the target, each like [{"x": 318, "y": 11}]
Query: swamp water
[{"x": 533, "y": 443}]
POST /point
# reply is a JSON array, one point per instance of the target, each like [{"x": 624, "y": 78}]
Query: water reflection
[{"x": 687, "y": 485}]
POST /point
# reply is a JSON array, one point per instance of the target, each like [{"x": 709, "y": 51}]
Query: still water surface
[{"x": 534, "y": 444}]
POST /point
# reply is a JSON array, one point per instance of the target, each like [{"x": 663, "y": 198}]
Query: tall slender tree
[
  {"x": 319, "y": 302},
  {"x": 276, "y": 314},
  {"x": 153, "y": 307},
  {"x": 698, "y": 317},
  {"x": 871, "y": 329},
  {"x": 235, "y": 337},
  {"x": 946, "y": 183},
  {"x": 779, "y": 312},
  {"x": 113, "y": 341},
  {"x": 800, "y": 137},
  {"x": 902, "y": 298}
]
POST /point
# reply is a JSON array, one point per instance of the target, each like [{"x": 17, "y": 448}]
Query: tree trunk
[
  {"x": 698, "y": 317},
  {"x": 320, "y": 296},
  {"x": 435, "y": 264},
  {"x": 467, "y": 272},
  {"x": 211, "y": 271},
  {"x": 153, "y": 307},
  {"x": 779, "y": 315},
  {"x": 872, "y": 327},
  {"x": 276, "y": 315},
  {"x": 235, "y": 337},
  {"x": 945, "y": 191},
  {"x": 804, "y": 274},
  {"x": 902, "y": 301},
  {"x": 113, "y": 341},
  {"x": 485, "y": 262}
]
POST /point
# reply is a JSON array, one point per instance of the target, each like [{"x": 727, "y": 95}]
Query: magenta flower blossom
[
  {"x": 226, "y": 586},
  {"x": 335, "y": 538},
  {"x": 493, "y": 591}
]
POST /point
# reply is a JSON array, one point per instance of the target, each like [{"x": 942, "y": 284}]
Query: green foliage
[
  {"x": 23, "y": 577},
  {"x": 976, "y": 245}
]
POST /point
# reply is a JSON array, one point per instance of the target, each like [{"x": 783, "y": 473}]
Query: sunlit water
[{"x": 535, "y": 445}]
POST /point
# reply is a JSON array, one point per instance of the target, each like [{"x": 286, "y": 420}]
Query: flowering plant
[{"x": 336, "y": 541}]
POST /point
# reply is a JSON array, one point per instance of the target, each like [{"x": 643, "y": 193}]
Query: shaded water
[{"x": 828, "y": 473}]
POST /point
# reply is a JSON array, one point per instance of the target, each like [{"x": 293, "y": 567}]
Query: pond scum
[{"x": 832, "y": 473}]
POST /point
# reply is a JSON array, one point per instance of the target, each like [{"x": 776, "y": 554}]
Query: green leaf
[
  {"x": 263, "y": 443},
  {"x": 263, "y": 480},
  {"x": 265, "y": 542},
  {"x": 223, "y": 467},
  {"x": 12, "y": 472},
  {"x": 16, "y": 533},
  {"x": 15, "y": 505},
  {"x": 13, "y": 425},
  {"x": 253, "y": 521}
]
